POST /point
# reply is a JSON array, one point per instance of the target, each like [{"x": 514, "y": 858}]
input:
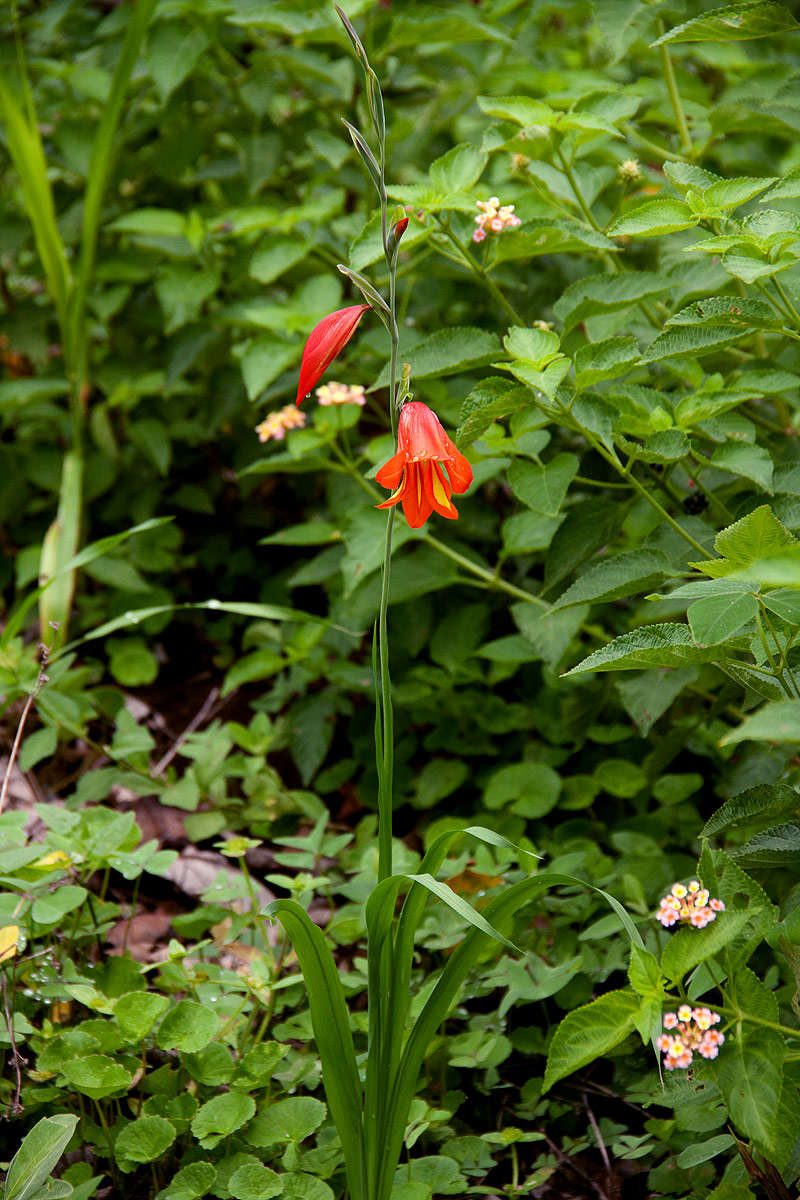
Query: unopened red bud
[{"x": 399, "y": 228}]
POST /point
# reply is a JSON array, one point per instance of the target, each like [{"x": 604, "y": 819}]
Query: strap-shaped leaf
[
  {"x": 332, "y": 1035},
  {"x": 25, "y": 147},
  {"x": 441, "y": 999},
  {"x": 367, "y": 157},
  {"x": 413, "y": 907},
  {"x": 104, "y": 148},
  {"x": 86, "y": 555}
]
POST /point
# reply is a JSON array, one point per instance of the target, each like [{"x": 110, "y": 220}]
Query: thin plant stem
[
  {"x": 674, "y": 95},
  {"x": 779, "y": 288},
  {"x": 478, "y": 271}
]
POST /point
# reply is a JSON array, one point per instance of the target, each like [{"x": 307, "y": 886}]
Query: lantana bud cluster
[
  {"x": 277, "y": 424},
  {"x": 688, "y": 904},
  {"x": 341, "y": 393},
  {"x": 690, "y": 1031},
  {"x": 494, "y": 217}
]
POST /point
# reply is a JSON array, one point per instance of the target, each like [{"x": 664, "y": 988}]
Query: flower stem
[
  {"x": 674, "y": 95},
  {"x": 478, "y": 271}
]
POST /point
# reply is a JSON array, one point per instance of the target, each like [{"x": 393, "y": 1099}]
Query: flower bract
[
  {"x": 325, "y": 342},
  {"x": 426, "y": 469}
]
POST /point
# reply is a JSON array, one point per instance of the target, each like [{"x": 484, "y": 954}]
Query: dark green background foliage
[{"x": 623, "y": 370}]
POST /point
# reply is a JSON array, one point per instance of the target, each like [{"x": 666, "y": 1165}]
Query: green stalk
[
  {"x": 674, "y": 95},
  {"x": 478, "y": 271}
]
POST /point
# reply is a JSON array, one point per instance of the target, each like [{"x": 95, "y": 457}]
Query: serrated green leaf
[
  {"x": 607, "y": 293},
  {"x": 754, "y": 804},
  {"x": 652, "y": 218},
  {"x": 733, "y": 23},
  {"x": 543, "y": 487},
  {"x": 145, "y": 1139},
  {"x": 446, "y": 352},
  {"x": 488, "y": 401},
  {"x": 590, "y": 1031},
  {"x": 753, "y": 462},
  {"x": 616, "y": 577},
  {"x": 605, "y": 360},
  {"x": 662, "y": 645}
]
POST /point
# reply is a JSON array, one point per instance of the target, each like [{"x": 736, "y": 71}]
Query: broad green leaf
[
  {"x": 190, "y": 1183},
  {"x": 778, "y": 722},
  {"x": 728, "y": 310},
  {"x": 537, "y": 346},
  {"x": 757, "y": 536},
  {"x": 254, "y": 1181},
  {"x": 647, "y": 695},
  {"x": 785, "y": 602},
  {"x": 447, "y": 352},
  {"x": 145, "y": 1139},
  {"x": 278, "y": 255},
  {"x": 605, "y": 360},
  {"x": 734, "y": 23},
  {"x": 775, "y": 847},
  {"x": 688, "y": 947},
  {"x": 607, "y": 293},
  {"x": 37, "y": 1156},
  {"x": 458, "y": 169},
  {"x": 488, "y": 401},
  {"x": 221, "y": 1116},
  {"x": 188, "y": 1026},
  {"x": 523, "y": 110},
  {"x": 661, "y": 645},
  {"x": 692, "y": 341},
  {"x": 530, "y": 789},
  {"x": 652, "y": 218},
  {"x": 667, "y": 445},
  {"x": 589, "y": 1032},
  {"x": 150, "y": 222},
  {"x": 753, "y": 462},
  {"x": 757, "y": 803},
  {"x": 616, "y": 577},
  {"x": 136, "y": 1012},
  {"x": 543, "y": 487},
  {"x": 750, "y": 1077},
  {"x": 173, "y": 51},
  {"x": 717, "y": 618},
  {"x": 96, "y": 1075}
]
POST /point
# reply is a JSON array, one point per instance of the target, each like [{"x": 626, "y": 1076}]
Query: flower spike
[
  {"x": 417, "y": 470},
  {"x": 325, "y": 342}
]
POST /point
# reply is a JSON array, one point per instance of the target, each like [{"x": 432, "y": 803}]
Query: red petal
[
  {"x": 438, "y": 492},
  {"x": 391, "y": 472},
  {"x": 326, "y": 340},
  {"x": 420, "y": 434},
  {"x": 416, "y": 506},
  {"x": 459, "y": 470}
]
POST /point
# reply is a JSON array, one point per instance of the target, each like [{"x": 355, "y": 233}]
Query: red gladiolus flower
[
  {"x": 417, "y": 471},
  {"x": 325, "y": 341}
]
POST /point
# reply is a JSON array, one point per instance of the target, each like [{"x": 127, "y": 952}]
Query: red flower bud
[
  {"x": 399, "y": 228},
  {"x": 325, "y": 342}
]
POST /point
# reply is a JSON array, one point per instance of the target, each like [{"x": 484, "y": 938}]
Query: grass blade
[
  {"x": 332, "y": 1034},
  {"x": 25, "y": 147}
]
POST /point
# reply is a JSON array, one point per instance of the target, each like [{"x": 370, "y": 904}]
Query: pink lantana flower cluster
[
  {"x": 278, "y": 423},
  {"x": 689, "y": 904},
  {"x": 494, "y": 217},
  {"x": 690, "y": 1031},
  {"x": 341, "y": 393}
]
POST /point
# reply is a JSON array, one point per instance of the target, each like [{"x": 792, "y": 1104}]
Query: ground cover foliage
[{"x": 596, "y": 661}]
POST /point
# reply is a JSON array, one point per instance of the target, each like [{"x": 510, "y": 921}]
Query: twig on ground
[
  {"x": 195, "y": 722},
  {"x": 41, "y": 679}
]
